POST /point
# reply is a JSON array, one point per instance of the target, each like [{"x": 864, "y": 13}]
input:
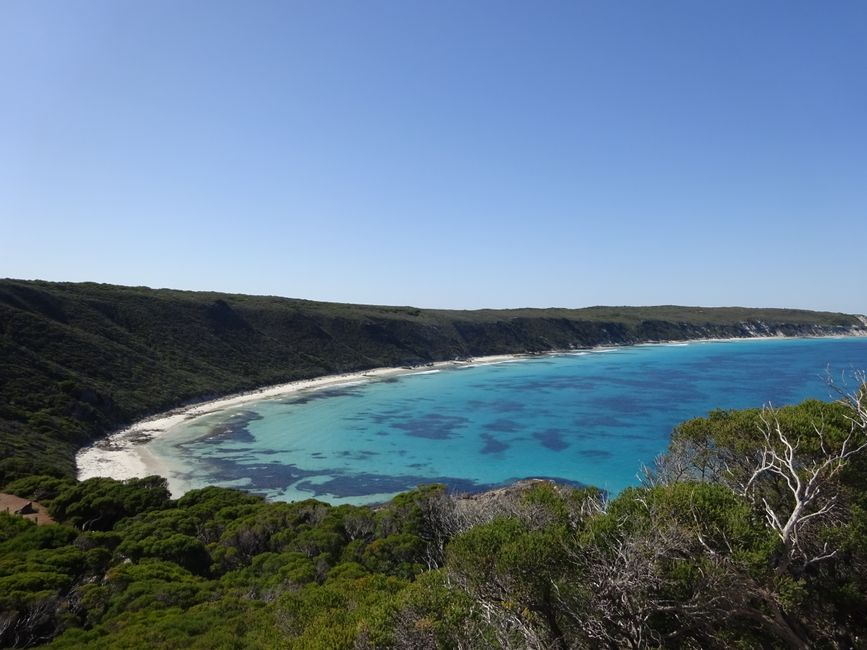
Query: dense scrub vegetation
[
  {"x": 749, "y": 532},
  {"x": 79, "y": 360}
]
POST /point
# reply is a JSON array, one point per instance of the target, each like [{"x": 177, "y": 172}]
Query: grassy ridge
[{"x": 78, "y": 360}]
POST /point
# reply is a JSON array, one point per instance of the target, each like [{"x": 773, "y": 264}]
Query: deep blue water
[{"x": 592, "y": 418}]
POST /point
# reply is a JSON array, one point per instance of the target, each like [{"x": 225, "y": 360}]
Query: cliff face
[
  {"x": 78, "y": 360},
  {"x": 540, "y": 335}
]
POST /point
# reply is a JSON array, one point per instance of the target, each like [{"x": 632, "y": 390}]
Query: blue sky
[{"x": 440, "y": 154}]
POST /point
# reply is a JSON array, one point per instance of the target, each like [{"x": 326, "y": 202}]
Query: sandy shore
[{"x": 124, "y": 454}]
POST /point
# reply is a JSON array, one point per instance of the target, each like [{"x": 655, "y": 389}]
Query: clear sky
[{"x": 440, "y": 153}]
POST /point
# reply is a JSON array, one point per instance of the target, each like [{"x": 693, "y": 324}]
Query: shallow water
[{"x": 591, "y": 418}]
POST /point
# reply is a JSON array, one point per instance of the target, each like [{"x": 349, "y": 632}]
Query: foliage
[{"x": 99, "y": 503}]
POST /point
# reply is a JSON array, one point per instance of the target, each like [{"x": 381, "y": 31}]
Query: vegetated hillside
[{"x": 78, "y": 360}]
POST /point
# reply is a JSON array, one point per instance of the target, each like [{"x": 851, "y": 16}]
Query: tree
[
  {"x": 807, "y": 479},
  {"x": 803, "y": 469},
  {"x": 99, "y": 503}
]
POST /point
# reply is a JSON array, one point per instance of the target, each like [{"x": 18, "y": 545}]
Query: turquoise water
[{"x": 592, "y": 418}]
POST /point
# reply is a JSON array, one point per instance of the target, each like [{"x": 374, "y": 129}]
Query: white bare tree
[{"x": 808, "y": 479}]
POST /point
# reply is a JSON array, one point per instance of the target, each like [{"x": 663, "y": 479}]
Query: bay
[{"x": 590, "y": 417}]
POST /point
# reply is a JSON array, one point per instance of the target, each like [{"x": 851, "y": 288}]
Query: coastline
[{"x": 124, "y": 454}]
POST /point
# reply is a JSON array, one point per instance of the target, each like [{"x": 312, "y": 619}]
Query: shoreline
[{"x": 124, "y": 454}]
